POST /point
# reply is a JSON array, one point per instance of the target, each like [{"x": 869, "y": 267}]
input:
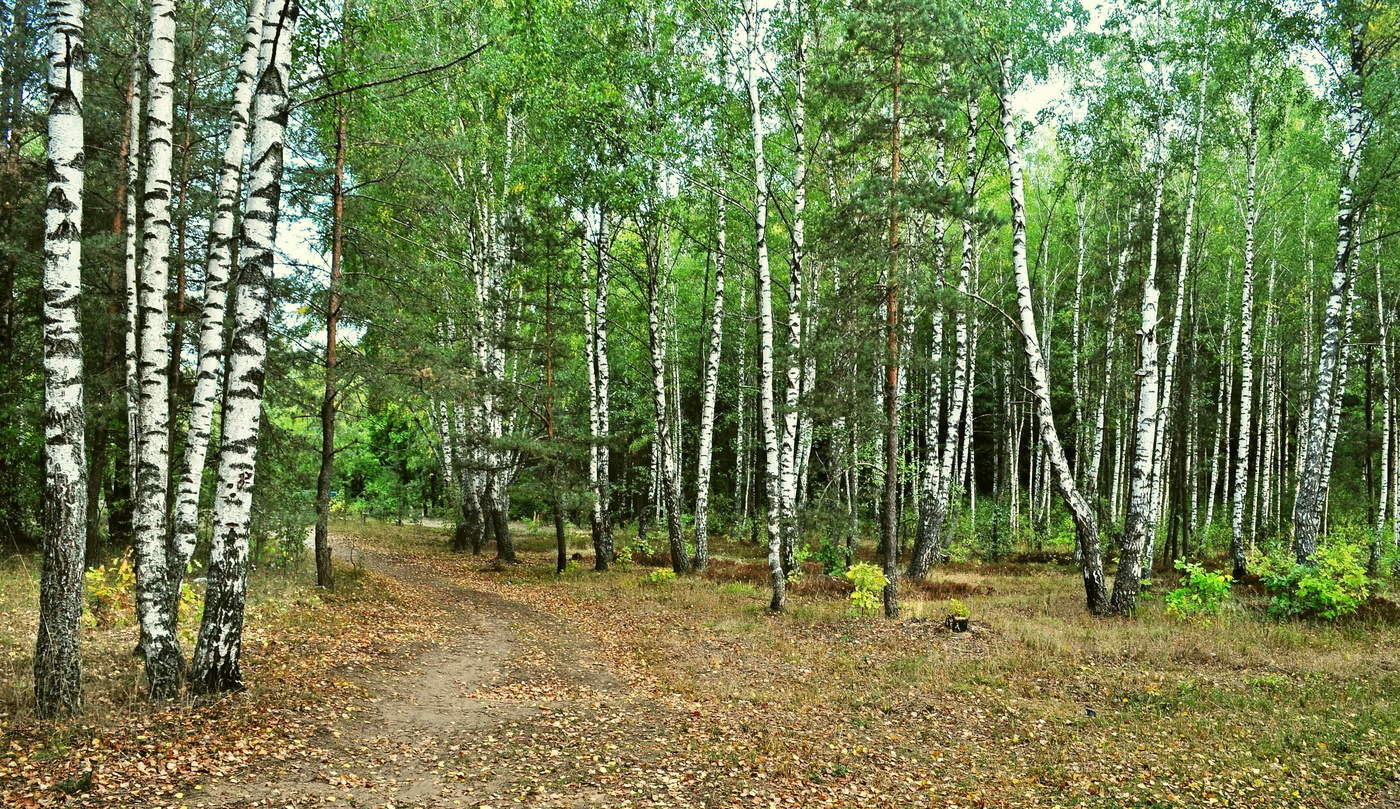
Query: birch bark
[
  {"x": 763, "y": 293},
  {"x": 216, "y": 666},
  {"x": 1251, "y": 218},
  {"x": 57, "y": 666},
  {"x": 1313, "y": 474},
  {"x": 1086, "y": 524},
  {"x": 159, "y": 645},
  {"x": 709, "y": 395},
  {"x": 211, "y": 319}
]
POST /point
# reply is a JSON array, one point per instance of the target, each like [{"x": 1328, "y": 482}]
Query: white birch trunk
[
  {"x": 764, "y": 296},
  {"x": 216, "y": 666},
  {"x": 1086, "y": 523},
  {"x": 211, "y": 329},
  {"x": 709, "y": 395},
  {"x": 57, "y": 665},
  {"x": 1164, "y": 413},
  {"x": 1241, "y": 484},
  {"x": 159, "y": 645},
  {"x": 1382, "y": 507},
  {"x": 1091, "y": 470},
  {"x": 133, "y": 316},
  {"x": 1313, "y": 473},
  {"x": 1141, "y": 522}
]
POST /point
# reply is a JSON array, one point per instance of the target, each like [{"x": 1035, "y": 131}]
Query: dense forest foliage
[{"x": 897, "y": 280}]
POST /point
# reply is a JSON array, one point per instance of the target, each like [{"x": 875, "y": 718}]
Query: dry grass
[{"x": 1231, "y": 710}]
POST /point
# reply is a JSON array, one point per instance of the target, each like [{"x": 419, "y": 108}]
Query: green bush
[
  {"x": 1202, "y": 592},
  {"x": 869, "y": 582},
  {"x": 831, "y": 555},
  {"x": 656, "y": 578},
  {"x": 1333, "y": 585},
  {"x": 958, "y": 609}
]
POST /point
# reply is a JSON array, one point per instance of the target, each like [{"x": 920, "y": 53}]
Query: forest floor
[{"x": 429, "y": 679}]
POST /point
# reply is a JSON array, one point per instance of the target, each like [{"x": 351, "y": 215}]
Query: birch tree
[
  {"x": 159, "y": 645},
  {"x": 212, "y": 313},
  {"x": 1313, "y": 476},
  {"x": 217, "y": 655},
  {"x": 57, "y": 666}
]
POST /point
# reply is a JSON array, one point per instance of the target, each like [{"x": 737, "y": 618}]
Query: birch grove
[{"x": 829, "y": 299}]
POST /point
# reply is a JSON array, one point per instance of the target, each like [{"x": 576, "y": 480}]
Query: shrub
[
  {"x": 1202, "y": 592},
  {"x": 1332, "y": 585},
  {"x": 869, "y": 582},
  {"x": 831, "y": 555},
  {"x": 957, "y": 608},
  {"x": 656, "y": 578},
  {"x": 110, "y": 592}
]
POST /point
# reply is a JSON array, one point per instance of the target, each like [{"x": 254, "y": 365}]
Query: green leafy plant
[
  {"x": 657, "y": 578},
  {"x": 831, "y": 555},
  {"x": 109, "y": 593},
  {"x": 957, "y": 609},
  {"x": 869, "y": 582},
  {"x": 1332, "y": 585},
  {"x": 1202, "y": 592}
]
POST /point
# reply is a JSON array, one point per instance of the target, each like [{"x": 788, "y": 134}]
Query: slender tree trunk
[
  {"x": 219, "y": 648},
  {"x": 100, "y": 430},
  {"x": 57, "y": 666},
  {"x": 1165, "y": 408},
  {"x": 125, "y": 514},
  {"x": 664, "y": 472},
  {"x": 1086, "y": 523},
  {"x": 1141, "y": 522},
  {"x": 709, "y": 395},
  {"x": 763, "y": 293},
  {"x": 1383, "y": 321},
  {"x": 889, "y": 509},
  {"x": 1314, "y": 474},
  {"x": 1251, "y": 218},
  {"x": 603, "y": 542},
  {"x": 1091, "y": 469},
  {"x": 325, "y": 574},
  {"x": 159, "y": 645},
  {"x": 211, "y": 319}
]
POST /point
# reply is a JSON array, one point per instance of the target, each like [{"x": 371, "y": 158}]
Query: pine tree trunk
[
  {"x": 159, "y": 645},
  {"x": 57, "y": 665},
  {"x": 218, "y": 651},
  {"x": 325, "y": 574},
  {"x": 211, "y": 319}
]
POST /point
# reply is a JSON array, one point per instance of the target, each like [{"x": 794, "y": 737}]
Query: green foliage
[
  {"x": 1202, "y": 592},
  {"x": 658, "y": 578},
  {"x": 869, "y": 581},
  {"x": 831, "y": 555},
  {"x": 958, "y": 609},
  {"x": 110, "y": 597},
  {"x": 1333, "y": 585},
  {"x": 110, "y": 593}
]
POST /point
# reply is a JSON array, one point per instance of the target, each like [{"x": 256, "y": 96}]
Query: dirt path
[{"x": 418, "y": 741}]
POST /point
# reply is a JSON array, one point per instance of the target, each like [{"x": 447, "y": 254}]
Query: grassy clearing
[
  {"x": 304, "y": 653},
  {"x": 1040, "y": 705}
]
